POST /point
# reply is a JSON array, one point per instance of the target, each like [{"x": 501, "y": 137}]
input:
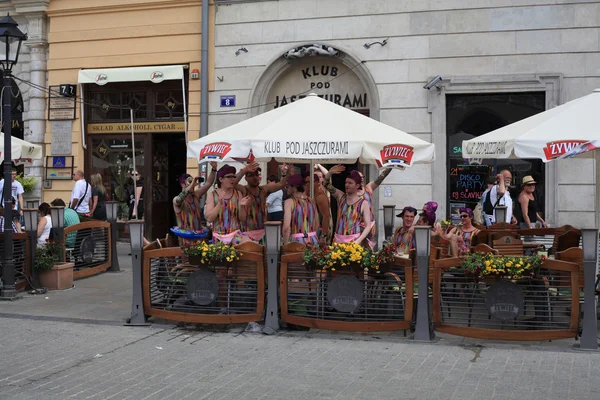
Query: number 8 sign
[{"x": 227, "y": 101}]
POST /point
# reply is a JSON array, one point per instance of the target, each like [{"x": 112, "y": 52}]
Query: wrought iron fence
[
  {"x": 21, "y": 259},
  {"x": 88, "y": 247},
  {"x": 540, "y": 307},
  {"x": 353, "y": 301},
  {"x": 220, "y": 293}
]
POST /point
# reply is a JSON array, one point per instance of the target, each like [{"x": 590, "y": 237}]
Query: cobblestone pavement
[{"x": 60, "y": 360}]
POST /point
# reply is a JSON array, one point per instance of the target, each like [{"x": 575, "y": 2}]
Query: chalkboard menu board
[{"x": 467, "y": 183}]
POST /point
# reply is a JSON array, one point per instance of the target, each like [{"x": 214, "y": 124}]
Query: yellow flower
[
  {"x": 487, "y": 263},
  {"x": 333, "y": 269}
]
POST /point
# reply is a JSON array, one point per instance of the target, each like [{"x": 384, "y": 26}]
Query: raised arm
[
  {"x": 322, "y": 169},
  {"x": 209, "y": 181},
  {"x": 241, "y": 173},
  {"x": 178, "y": 200},
  {"x": 285, "y": 174},
  {"x": 243, "y": 210},
  {"x": 287, "y": 220},
  {"x": 330, "y": 188},
  {"x": 377, "y": 182},
  {"x": 212, "y": 209}
]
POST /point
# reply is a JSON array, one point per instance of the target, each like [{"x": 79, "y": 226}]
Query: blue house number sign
[{"x": 227, "y": 101}]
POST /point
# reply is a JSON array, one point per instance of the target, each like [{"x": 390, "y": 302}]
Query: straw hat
[{"x": 527, "y": 180}]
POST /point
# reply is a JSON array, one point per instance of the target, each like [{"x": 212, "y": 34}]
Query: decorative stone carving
[{"x": 311, "y": 50}]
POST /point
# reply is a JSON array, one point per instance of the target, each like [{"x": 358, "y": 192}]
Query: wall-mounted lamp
[
  {"x": 240, "y": 50},
  {"x": 382, "y": 43}
]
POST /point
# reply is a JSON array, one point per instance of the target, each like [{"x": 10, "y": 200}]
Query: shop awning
[{"x": 155, "y": 74}]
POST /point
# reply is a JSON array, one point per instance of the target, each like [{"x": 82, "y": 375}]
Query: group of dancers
[{"x": 237, "y": 213}]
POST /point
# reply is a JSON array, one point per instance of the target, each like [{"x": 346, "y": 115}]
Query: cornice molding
[
  {"x": 25, "y": 7},
  {"x": 124, "y": 7}
]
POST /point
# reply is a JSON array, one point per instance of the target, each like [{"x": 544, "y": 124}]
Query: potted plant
[
  {"x": 377, "y": 262},
  {"x": 205, "y": 253},
  {"x": 345, "y": 258},
  {"x": 53, "y": 273},
  {"x": 492, "y": 267},
  {"x": 28, "y": 183}
]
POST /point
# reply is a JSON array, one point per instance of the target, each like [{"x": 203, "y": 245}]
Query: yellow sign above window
[{"x": 139, "y": 127}]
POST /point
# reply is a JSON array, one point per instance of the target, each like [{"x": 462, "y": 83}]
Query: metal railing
[
  {"x": 346, "y": 300},
  {"x": 21, "y": 259},
  {"x": 220, "y": 293},
  {"x": 88, "y": 247},
  {"x": 540, "y": 307}
]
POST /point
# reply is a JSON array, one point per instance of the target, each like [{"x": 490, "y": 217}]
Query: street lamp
[
  {"x": 57, "y": 215},
  {"x": 31, "y": 220},
  {"x": 136, "y": 239},
  {"x": 500, "y": 214},
  {"x": 112, "y": 209},
  {"x": 589, "y": 245},
  {"x": 388, "y": 220},
  {"x": 10, "y": 42},
  {"x": 273, "y": 244},
  {"x": 422, "y": 250}
]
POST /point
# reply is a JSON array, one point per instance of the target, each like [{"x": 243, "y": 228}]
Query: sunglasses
[
  {"x": 530, "y": 184},
  {"x": 252, "y": 174},
  {"x": 464, "y": 215},
  {"x": 135, "y": 174},
  {"x": 229, "y": 176}
]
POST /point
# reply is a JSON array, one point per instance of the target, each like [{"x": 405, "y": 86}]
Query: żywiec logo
[
  {"x": 101, "y": 79},
  {"x": 157, "y": 77},
  {"x": 214, "y": 151},
  {"x": 395, "y": 155},
  {"x": 560, "y": 147}
]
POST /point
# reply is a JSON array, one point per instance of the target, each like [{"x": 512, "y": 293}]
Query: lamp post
[
  {"x": 273, "y": 243},
  {"x": 136, "y": 239},
  {"x": 422, "y": 250},
  {"x": 388, "y": 220},
  {"x": 589, "y": 335},
  {"x": 10, "y": 42},
  {"x": 500, "y": 214},
  {"x": 57, "y": 215},
  {"x": 32, "y": 203},
  {"x": 31, "y": 220},
  {"x": 112, "y": 209}
]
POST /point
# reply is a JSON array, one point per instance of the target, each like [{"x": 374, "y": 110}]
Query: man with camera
[{"x": 498, "y": 195}]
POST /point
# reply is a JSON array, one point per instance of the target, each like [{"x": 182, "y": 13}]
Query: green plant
[
  {"x": 212, "y": 252},
  {"x": 48, "y": 255},
  {"x": 511, "y": 267},
  {"x": 28, "y": 182}
]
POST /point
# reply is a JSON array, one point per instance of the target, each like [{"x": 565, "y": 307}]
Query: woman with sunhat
[
  {"x": 228, "y": 208},
  {"x": 354, "y": 217},
  {"x": 528, "y": 205},
  {"x": 300, "y": 216}
]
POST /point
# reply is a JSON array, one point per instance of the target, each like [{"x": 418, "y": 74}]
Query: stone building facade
[
  {"x": 499, "y": 60},
  {"x": 31, "y": 17}
]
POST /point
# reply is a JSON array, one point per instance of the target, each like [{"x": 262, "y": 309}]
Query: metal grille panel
[
  {"x": 357, "y": 301},
  {"x": 217, "y": 293},
  {"x": 510, "y": 307},
  {"x": 88, "y": 247},
  {"x": 20, "y": 258}
]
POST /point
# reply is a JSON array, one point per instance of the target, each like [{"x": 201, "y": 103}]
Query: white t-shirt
[
  {"x": 83, "y": 206},
  {"x": 16, "y": 190},
  {"x": 46, "y": 232},
  {"x": 504, "y": 201},
  {"x": 275, "y": 201}
]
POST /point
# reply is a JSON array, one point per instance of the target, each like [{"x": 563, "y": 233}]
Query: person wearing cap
[
  {"x": 404, "y": 239},
  {"x": 461, "y": 237},
  {"x": 228, "y": 208},
  {"x": 366, "y": 191},
  {"x": 323, "y": 206},
  {"x": 427, "y": 217},
  {"x": 186, "y": 204},
  {"x": 253, "y": 226},
  {"x": 300, "y": 216},
  {"x": 528, "y": 205},
  {"x": 354, "y": 217}
]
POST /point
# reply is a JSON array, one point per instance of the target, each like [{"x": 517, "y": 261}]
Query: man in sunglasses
[
  {"x": 253, "y": 226},
  {"x": 404, "y": 239},
  {"x": 186, "y": 204}
]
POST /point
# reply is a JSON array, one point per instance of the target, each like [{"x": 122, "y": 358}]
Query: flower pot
[
  {"x": 195, "y": 259},
  {"x": 58, "y": 277}
]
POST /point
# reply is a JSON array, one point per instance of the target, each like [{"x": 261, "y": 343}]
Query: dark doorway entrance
[
  {"x": 168, "y": 163},
  {"x": 471, "y": 115}
]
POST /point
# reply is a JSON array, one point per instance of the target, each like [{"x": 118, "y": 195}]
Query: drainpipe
[
  {"x": 204, "y": 71},
  {"x": 204, "y": 86}
]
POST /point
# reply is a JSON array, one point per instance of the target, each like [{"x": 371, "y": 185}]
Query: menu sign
[{"x": 61, "y": 108}]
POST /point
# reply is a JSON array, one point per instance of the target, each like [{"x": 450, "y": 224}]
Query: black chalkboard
[{"x": 467, "y": 182}]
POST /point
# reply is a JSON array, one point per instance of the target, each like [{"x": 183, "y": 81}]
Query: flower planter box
[{"x": 59, "y": 277}]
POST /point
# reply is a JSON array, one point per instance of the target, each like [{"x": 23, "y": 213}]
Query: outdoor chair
[
  {"x": 508, "y": 246},
  {"x": 442, "y": 244},
  {"x": 483, "y": 248},
  {"x": 567, "y": 240}
]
